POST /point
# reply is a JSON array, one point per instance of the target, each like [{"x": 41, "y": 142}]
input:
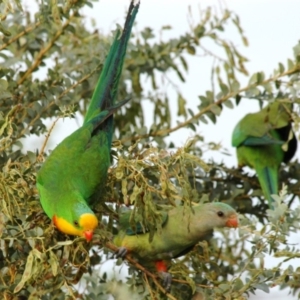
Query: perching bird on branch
[
  {"x": 259, "y": 139},
  {"x": 76, "y": 170},
  {"x": 181, "y": 229}
]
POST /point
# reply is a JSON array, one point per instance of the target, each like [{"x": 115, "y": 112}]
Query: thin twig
[
  {"x": 47, "y": 138},
  {"x": 26, "y": 30},
  {"x": 148, "y": 285}
]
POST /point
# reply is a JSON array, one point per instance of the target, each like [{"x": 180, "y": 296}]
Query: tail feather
[
  {"x": 106, "y": 89},
  {"x": 268, "y": 179},
  {"x": 101, "y": 118}
]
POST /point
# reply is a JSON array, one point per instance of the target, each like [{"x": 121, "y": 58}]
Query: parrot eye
[
  {"x": 76, "y": 223},
  {"x": 220, "y": 214}
]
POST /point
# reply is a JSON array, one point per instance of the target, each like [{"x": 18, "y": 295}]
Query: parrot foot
[
  {"x": 121, "y": 252},
  {"x": 166, "y": 279}
]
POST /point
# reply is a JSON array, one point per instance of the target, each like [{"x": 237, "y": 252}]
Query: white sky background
[{"x": 272, "y": 28}]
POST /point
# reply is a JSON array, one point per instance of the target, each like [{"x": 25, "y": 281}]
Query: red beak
[
  {"x": 88, "y": 235},
  {"x": 233, "y": 222}
]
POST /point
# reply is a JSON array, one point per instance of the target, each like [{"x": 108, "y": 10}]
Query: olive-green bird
[
  {"x": 182, "y": 228},
  {"x": 73, "y": 174},
  {"x": 259, "y": 138}
]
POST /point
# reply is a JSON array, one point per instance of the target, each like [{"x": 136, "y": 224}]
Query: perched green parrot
[
  {"x": 73, "y": 174},
  {"x": 182, "y": 228},
  {"x": 259, "y": 138}
]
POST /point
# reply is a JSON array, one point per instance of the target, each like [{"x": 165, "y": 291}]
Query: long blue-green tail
[
  {"x": 105, "y": 92},
  {"x": 268, "y": 179}
]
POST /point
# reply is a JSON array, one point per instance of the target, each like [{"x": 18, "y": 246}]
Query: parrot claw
[
  {"x": 121, "y": 252},
  {"x": 167, "y": 280}
]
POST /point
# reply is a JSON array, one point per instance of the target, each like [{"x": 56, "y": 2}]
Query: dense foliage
[{"x": 45, "y": 72}]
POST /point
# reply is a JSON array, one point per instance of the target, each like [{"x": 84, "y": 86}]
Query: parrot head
[
  {"x": 78, "y": 220},
  {"x": 221, "y": 214},
  {"x": 84, "y": 226}
]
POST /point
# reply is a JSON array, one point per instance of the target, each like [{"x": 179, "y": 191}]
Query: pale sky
[{"x": 272, "y": 28}]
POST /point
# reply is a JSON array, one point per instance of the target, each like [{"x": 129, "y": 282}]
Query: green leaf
[
  {"x": 260, "y": 76},
  {"x": 224, "y": 88},
  {"x": 238, "y": 284},
  {"x": 253, "y": 79},
  {"x": 216, "y": 109},
  {"x": 228, "y": 103},
  {"x": 181, "y": 106},
  {"x": 27, "y": 272},
  {"x": 262, "y": 286},
  {"x": 5, "y": 31},
  {"x": 281, "y": 68},
  {"x": 291, "y": 64},
  {"x": 64, "y": 243},
  {"x": 191, "y": 49},
  {"x": 296, "y": 50},
  {"x": 235, "y": 86},
  {"x": 3, "y": 85},
  {"x": 53, "y": 263},
  {"x": 184, "y": 63}
]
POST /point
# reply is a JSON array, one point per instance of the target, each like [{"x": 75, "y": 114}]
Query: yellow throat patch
[{"x": 87, "y": 223}]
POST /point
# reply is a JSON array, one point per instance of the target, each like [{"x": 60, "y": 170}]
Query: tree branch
[
  {"x": 166, "y": 131},
  {"x": 43, "y": 51},
  {"x": 38, "y": 116},
  {"x": 16, "y": 37}
]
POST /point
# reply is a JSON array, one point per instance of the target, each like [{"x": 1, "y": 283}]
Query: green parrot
[
  {"x": 72, "y": 176},
  {"x": 259, "y": 138},
  {"x": 182, "y": 228}
]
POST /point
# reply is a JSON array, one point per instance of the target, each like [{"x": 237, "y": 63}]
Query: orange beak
[
  {"x": 233, "y": 221},
  {"x": 88, "y": 234}
]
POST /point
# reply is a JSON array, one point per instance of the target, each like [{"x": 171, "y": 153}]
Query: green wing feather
[
  {"x": 131, "y": 226},
  {"x": 259, "y": 138}
]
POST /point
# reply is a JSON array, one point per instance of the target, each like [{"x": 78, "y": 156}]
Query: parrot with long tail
[{"x": 73, "y": 174}]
